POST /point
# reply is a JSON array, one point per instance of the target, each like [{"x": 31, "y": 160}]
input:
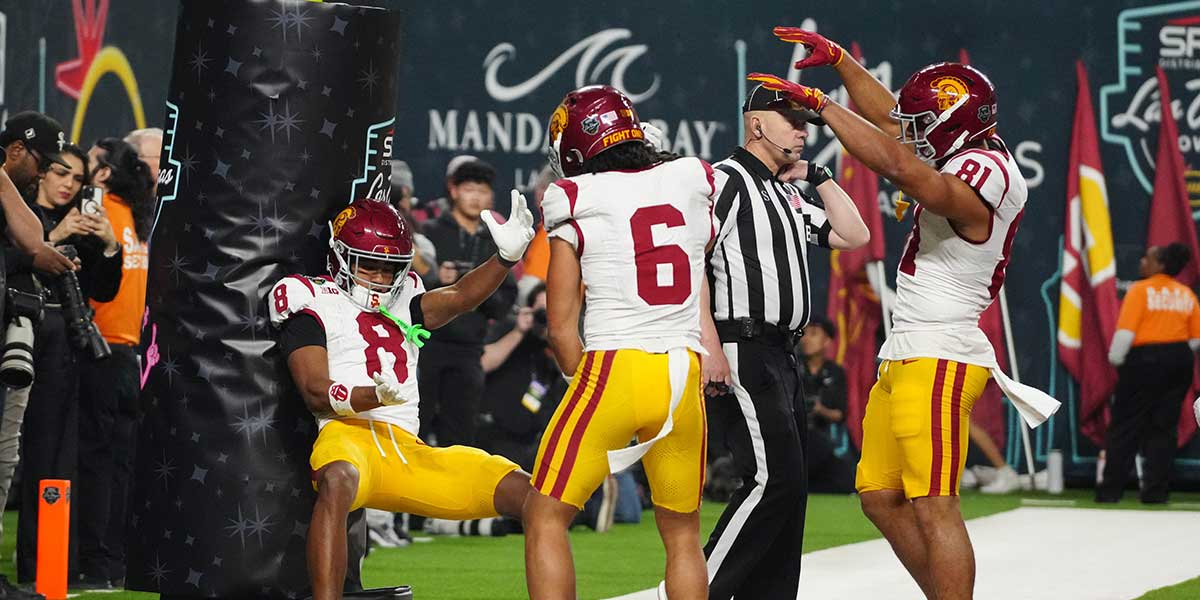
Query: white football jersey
[
  {"x": 945, "y": 281},
  {"x": 640, "y": 237},
  {"x": 359, "y": 343}
]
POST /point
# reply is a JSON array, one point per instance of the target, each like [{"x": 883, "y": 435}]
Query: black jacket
[{"x": 454, "y": 244}]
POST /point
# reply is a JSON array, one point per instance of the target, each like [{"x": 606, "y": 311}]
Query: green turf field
[{"x": 625, "y": 560}]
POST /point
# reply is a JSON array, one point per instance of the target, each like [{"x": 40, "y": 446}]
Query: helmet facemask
[
  {"x": 367, "y": 294},
  {"x": 917, "y": 128}
]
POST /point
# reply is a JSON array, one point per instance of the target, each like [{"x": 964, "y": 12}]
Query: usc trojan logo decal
[
  {"x": 558, "y": 122},
  {"x": 340, "y": 220},
  {"x": 949, "y": 90}
]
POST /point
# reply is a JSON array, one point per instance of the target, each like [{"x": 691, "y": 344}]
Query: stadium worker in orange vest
[{"x": 1157, "y": 332}]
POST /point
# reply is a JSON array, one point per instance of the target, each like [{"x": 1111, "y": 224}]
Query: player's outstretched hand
[
  {"x": 388, "y": 390},
  {"x": 654, "y": 136},
  {"x": 821, "y": 51},
  {"x": 512, "y": 237},
  {"x": 802, "y": 95}
]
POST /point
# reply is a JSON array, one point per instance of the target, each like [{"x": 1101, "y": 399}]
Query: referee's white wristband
[{"x": 339, "y": 399}]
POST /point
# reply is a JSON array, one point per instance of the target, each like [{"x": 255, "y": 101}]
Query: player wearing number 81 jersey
[
  {"x": 937, "y": 143},
  {"x": 351, "y": 341},
  {"x": 630, "y": 226}
]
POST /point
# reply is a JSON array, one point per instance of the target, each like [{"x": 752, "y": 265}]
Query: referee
[{"x": 759, "y": 284}]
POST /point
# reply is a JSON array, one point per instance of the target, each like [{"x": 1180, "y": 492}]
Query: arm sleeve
[
  {"x": 103, "y": 275},
  {"x": 1121, "y": 342},
  {"x": 726, "y": 202},
  {"x": 558, "y": 213},
  {"x": 299, "y": 331},
  {"x": 415, "y": 311},
  {"x": 816, "y": 223}
]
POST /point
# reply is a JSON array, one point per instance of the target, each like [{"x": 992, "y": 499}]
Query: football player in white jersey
[
  {"x": 351, "y": 340},
  {"x": 628, "y": 229},
  {"x": 937, "y": 143}
]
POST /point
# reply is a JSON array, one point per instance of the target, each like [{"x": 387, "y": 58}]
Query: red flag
[
  {"x": 1171, "y": 219},
  {"x": 852, "y": 305},
  {"x": 1087, "y": 301}
]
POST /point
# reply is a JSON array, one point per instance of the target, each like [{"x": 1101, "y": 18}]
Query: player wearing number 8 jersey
[
  {"x": 937, "y": 143},
  {"x": 629, "y": 226},
  {"x": 351, "y": 341}
]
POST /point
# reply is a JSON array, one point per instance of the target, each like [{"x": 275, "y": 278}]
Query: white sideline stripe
[
  {"x": 1028, "y": 553},
  {"x": 734, "y": 527}
]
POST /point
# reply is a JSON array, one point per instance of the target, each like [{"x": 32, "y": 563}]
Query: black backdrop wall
[
  {"x": 277, "y": 116},
  {"x": 481, "y": 78}
]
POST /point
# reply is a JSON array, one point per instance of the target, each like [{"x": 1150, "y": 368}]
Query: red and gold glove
[
  {"x": 801, "y": 95},
  {"x": 821, "y": 51}
]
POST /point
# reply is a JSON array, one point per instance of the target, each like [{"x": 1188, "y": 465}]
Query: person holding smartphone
[{"x": 47, "y": 412}]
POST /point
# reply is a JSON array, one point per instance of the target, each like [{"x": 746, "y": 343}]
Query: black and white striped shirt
[{"x": 759, "y": 264}]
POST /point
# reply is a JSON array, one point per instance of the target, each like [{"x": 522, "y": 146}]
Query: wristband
[
  {"x": 507, "y": 264},
  {"x": 339, "y": 399},
  {"x": 818, "y": 174}
]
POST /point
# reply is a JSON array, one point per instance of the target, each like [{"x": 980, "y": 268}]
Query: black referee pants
[
  {"x": 1145, "y": 415},
  {"x": 754, "y": 551}
]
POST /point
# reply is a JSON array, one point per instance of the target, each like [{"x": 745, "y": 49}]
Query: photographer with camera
[
  {"x": 30, "y": 142},
  {"x": 523, "y": 383},
  {"x": 108, "y": 402},
  {"x": 450, "y": 375},
  {"x": 43, "y": 418}
]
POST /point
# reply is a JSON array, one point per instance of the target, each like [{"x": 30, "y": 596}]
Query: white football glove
[
  {"x": 654, "y": 136},
  {"x": 1196, "y": 409},
  {"x": 388, "y": 391},
  {"x": 513, "y": 236}
]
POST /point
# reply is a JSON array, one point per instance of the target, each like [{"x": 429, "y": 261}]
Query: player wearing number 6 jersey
[
  {"x": 351, "y": 341},
  {"x": 937, "y": 143},
  {"x": 628, "y": 228}
]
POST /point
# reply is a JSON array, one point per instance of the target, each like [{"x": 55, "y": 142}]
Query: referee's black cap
[{"x": 761, "y": 98}]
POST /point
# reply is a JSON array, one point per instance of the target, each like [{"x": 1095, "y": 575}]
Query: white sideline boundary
[{"x": 1030, "y": 553}]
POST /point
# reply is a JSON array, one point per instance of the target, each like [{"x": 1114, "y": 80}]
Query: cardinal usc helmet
[
  {"x": 590, "y": 120},
  {"x": 369, "y": 230},
  {"x": 944, "y": 106}
]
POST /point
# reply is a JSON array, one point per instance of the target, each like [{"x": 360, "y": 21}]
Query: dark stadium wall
[{"x": 482, "y": 77}]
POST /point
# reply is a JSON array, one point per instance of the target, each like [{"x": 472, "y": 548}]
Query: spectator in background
[
  {"x": 1158, "y": 331},
  {"x": 44, "y": 417},
  {"x": 402, "y": 199},
  {"x": 450, "y": 374},
  {"x": 108, "y": 402},
  {"x": 429, "y": 210},
  {"x": 824, "y": 385},
  {"x": 31, "y": 141},
  {"x": 523, "y": 384},
  {"x": 148, "y": 143}
]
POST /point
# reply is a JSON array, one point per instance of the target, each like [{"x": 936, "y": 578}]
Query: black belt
[{"x": 756, "y": 330}]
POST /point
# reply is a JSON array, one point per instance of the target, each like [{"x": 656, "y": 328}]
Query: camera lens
[{"x": 539, "y": 317}]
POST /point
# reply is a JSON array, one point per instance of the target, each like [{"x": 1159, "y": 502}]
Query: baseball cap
[
  {"x": 761, "y": 98},
  {"x": 37, "y": 131},
  {"x": 457, "y": 162}
]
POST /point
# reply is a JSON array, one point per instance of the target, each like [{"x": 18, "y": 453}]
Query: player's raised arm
[
  {"x": 943, "y": 194},
  {"x": 512, "y": 237},
  {"x": 872, "y": 98}
]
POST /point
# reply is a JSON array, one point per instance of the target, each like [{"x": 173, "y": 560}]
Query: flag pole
[{"x": 1016, "y": 376}]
